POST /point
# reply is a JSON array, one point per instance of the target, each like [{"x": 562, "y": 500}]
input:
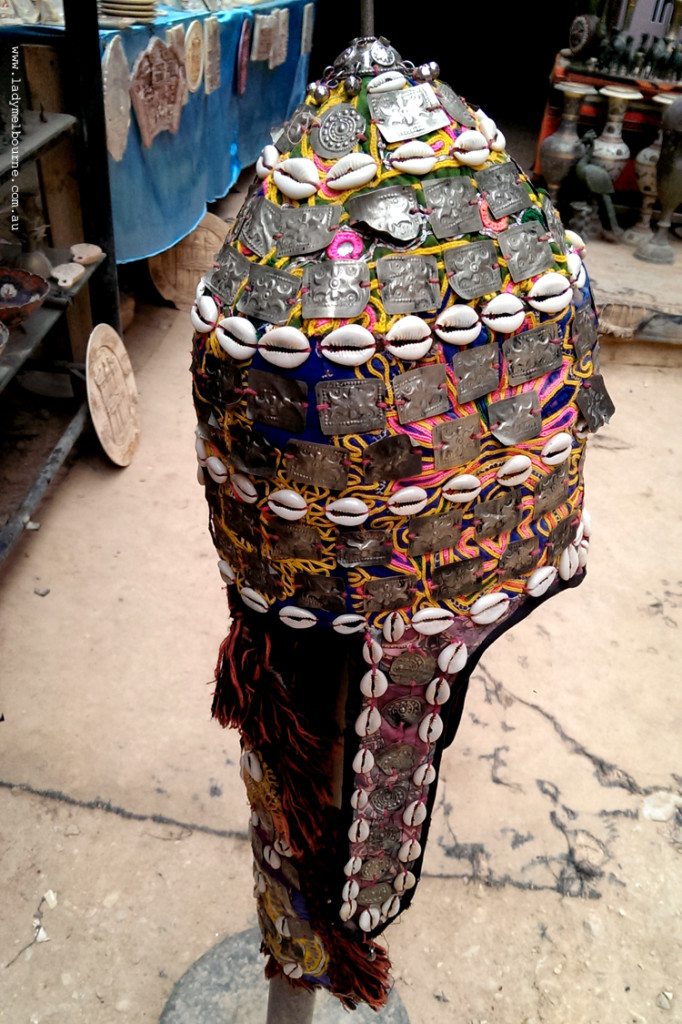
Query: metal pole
[{"x": 367, "y": 17}]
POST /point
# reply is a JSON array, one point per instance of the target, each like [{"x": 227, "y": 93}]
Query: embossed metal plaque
[
  {"x": 413, "y": 668},
  {"x": 456, "y": 442},
  {"x": 336, "y": 288},
  {"x": 408, "y": 710},
  {"x": 383, "y": 837},
  {"x": 584, "y": 331},
  {"x": 532, "y": 353},
  {"x": 399, "y": 757},
  {"x": 473, "y": 269},
  {"x": 519, "y": 557},
  {"x": 562, "y": 535},
  {"x": 433, "y": 533},
  {"x": 220, "y": 381},
  {"x": 375, "y": 895},
  {"x": 321, "y": 465},
  {"x": 259, "y": 574},
  {"x": 551, "y": 491},
  {"x": 389, "y": 798},
  {"x": 349, "y": 406},
  {"x": 459, "y": 578},
  {"x": 595, "y": 402},
  {"x": 554, "y": 225},
  {"x": 306, "y": 229},
  {"x": 325, "y": 592},
  {"x": 337, "y": 132},
  {"x": 226, "y": 279},
  {"x": 294, "y": 130},
  {"x": 392, "y": 458},
  {"x": 407, "y": 113},
  {"x": 515, "y": 419},
  {"x": 504, "y": 192},
  {"x": 388, "y": 211},
  {"x": 526, "y": 250},
  {"x": 452, "y": 206},
  {"x": 364, "y": 547},
  {"x": 455, "y": 106},
  {"x": 291, "y": 540},
  {"x": 497, "y": 515},
  {"x": 375, "y": 868},
  {"x": 252, "y": 453},
  {"x": 420, "y": 394},
  {"x": 261, "y": 226},
  {"x": 278, "y": 401},
  {"x": 409, "y": 284},
  {"x": 388, "y": 592},
  {"x": 477, "y": 371},
  {"x": 241, "y": 519},
  {"x": 269, "y": 294}
]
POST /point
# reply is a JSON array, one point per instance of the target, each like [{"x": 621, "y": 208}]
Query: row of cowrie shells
[{"x": 298, "y": 177}]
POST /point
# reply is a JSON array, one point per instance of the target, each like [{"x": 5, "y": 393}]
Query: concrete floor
[{"x": 553, "y": 878}]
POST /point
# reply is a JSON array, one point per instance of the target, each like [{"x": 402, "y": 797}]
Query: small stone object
[
  {"x": 67, "y": 274},
  {"x": 85, "y": 252},
  {"x": 664, "y": 1000},
  {"x": 661, "y": 806}
]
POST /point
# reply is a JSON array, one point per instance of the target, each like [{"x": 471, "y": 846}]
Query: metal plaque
[
  {"x": 349, "y": 406},
  {"x": 375, "y": 868},
  {"x": 413, "y": 668},
  {"x": 526, "y": 250},
  {"x": 364, "y": 547},
  {"x": 392, "y": 458},
  {"x": 455, "y": 105},
  {"x": 389, "y": 798},
  {"x": 452, "y": 206},
  {"x": 277, "y": 401},
  {"x": 477, "y": 371},
  {"x": 336, "y": 288},
  {"x": 269, "y": 295},
  {"x": 219, "y": 382},
  {"x": 456, "y": 442},
  {"x": 407, "y": 113},
  {"x": 388, "y": 211},
  {"x": 389, "y": 592},
  {"x": 515, "y": 419},
  {"x": 554, "y": 225},
  {"x": 473, "y": 269},
  {"x": 532, "y": 353},
  {"x": 519, "y": 557},
  {"x": 595, "y": 402},
  {"x": 337, "y": 131},
  {"x": 325, "y": 592},
  {"x": 241, "y": 519},
  {"x": 321, "y": 465},
  {"x": 498, "y": 515},
  {"x": 584, "y": 330},
  {"x": 306, "y": 229},
  {"x": 408, "y": 284},
  {"x": 226, "y": 279},
  {"x": 261, "y": 576},
  {"x": 252, "y": 453},
  {"x": 399, "y": 757},
  {"x": 384, "y": 837},
  {"x": 291, "y": 540},
  {"x": 261, "y": 226},
  {"x": 551, "y": 491},
  {"x": 294, "y": 130},
  {"x": 375, "y": 895},
  {"x": 408, "y": 710},
  {"x": 420, "y": 394},
  {"x": 595, "y": 358},
  {"x": 433, "y": 533},
  {"x": 562, "y": 535},
  {"x": 458, "y": 579},
  {"x": 504, "y": 191}
]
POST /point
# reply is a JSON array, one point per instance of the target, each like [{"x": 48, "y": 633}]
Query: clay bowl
[{"x": 21, "y": 294}]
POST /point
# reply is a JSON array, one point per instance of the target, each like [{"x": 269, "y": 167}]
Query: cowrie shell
[
  {"x": 372, "y": 652},
  {"x": 347, "y": 910},
  {"x": 201, "y": 478},
  {"x": 504, "y": 313},
  {"x": 568, "y": 563},
  {"x": 217, "y": 470},
  {"x": 226, "y": 571},
  {"x": 200, "y": 449},
  {"x": 410, "y": 850},
  {"x": 297, "y": 618},
  {"x": 424, "y": 775},
  {"x": 387, "y": 81},
  {"x": 251, "y": 765},
  {"x": 489, "y": 608},
  {"x": 374, "y": 683},
  {"x": 369, "y": 918},
  {"x": 237, "y": 336},
  {"x": 283, "y": 848},
  {"x": 359, "y": 800},
  {"x": 586, "y": 520},
  {"x": 253, "y": 600},
  {"x": 430, "y": 728},
  {"x": 581, "y": 429},
  {"x": 458, "y": 325},
  {"x": 471, "y": 148},
  {"x": 430, "y": 621},
  {"x": 284, "y": 346},
  {"x": 359, "y": 831},
  {"x": 282, "y": 926},
  {"x": 403, "y": 881},
  {"x": 557, "y": 449},
  {"x": 437, "y": 692},
  {"x": 272, "y": 858},
  {"x": 583, "y": 548},
  {"x": 243, "y": 488},
  {"x": 350, "y": 345},
  {"x": 515, "y": 470},
  {"x": 267, "y": 161},
  {"x": 394, "y": 627},
  {"x": 204, "y": 314},
  {"x": 409, "y": 338},
  {"x": 351, "y": 171},
  {"x": 540, "y": 580},
  {"x": 576, "y": 270},
  {"x": 347, "y": 511},
  {"x": 415, "y": 813},
  {"x": 408, "y": 501},
  {"x": 551, "y": 293},
  {"x": 350, "y": 891},
  {"x": 461, "y": 488},
  {"x": 492, "y": 133},
  {"x": 575, "y": 241},
  {"x": 287, "y": 504},
  {"x": 368, "y": 722},
  {"x": 297, "y": 177},
  {"x": 453, "y": 658},
  {"x": 352, "y": 866},
  {"x": 580, "y": 533},
  {"x": 413, "y": 157},
  {"x": 363, "y": 762},
  {"x": 293, "y": 970},
  {"x": 391, "y": 907},
  {"x": 349, "y": 623}
]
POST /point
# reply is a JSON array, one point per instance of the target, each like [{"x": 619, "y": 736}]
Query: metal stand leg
[{"x": 289, "y": 1005}]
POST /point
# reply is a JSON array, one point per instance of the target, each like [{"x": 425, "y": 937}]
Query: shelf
[{"x": 36, "y": 137}]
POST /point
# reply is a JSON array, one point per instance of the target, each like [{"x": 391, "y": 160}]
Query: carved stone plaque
[
  {"x": 407, "y": 113},
  {"x": 269, "y": 294},
  {"x": 551, "y": 491},
  {"x": 515, "y": 419},
  {"x": 291, "y": 540},
  {"x": 194, "y": 55},
  {"x": 325, "y": 592},
  {"x": 294, "y": 130},
  {"x": 584, "y": 331},
  {"x": 212, "y": 55},
  {"x": 420, "y": 394},
  {"x": 455, "y": 106},
  {"x": 392, "y": 458},
  {"x": 497, "y": 515},
  {"x": 595, "y": 402},
  {"x": 278, "y": 401},
  {"x": 116, "y": 85},
  {"x": 336, "y": 288},
  {"x": 409, "y": 284},
  {"x": 455, "y": 442},
  {"x": 349, "y": 406},
  {"x": 504, "y": 192},
  {"x": 428, "y": 534},
  {"x": 532, "y": 353},
  {"x": 477, "y": 371},
  {"x": 337, "y": 132},
  {"x": 554, "y": 225},
  {"x": 526, "y": 250},
  {"x": 260, "y": 225},
  {"x": 321, "y": 465},
  {"x": 156, "y": 88},
  {"x": 519, "y": 557},
  {"x": 413, "y": 668},
  {"x": 452, "y": 206},
  {"x": 388, "y": 592},
  {"x": 364, "y": 547},
  {"x": 388, "y": 211},
  {"x": 232, "y": 270},
  {"x": 473, "y": 269},
  {"x": 112, "y": 394},
  {"x": 306, "y": 229}
]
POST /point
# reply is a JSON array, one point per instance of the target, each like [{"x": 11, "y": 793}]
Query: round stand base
[
  {"x": 227, "y": 986},
  {"x": 655, "y": 252},
  {"x": 635, "y": 236}
]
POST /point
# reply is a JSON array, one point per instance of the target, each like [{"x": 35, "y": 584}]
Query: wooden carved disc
[{"x": 112, "y": 394}]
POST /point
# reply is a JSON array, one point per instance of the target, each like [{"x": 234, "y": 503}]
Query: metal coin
[
  {"x": 383, "y": 837},
  {"x": 473, "y": 269},
  {"x": 375, "y": 868},
  {"x": 375, "y": 895},
  {"x": 389, "y": 798},
  {"x": 408, "y": 710},
  {"x": 399, "y": 757},
  {"x": 337, "y": 132},
  {"x": 412, "y": 668}
]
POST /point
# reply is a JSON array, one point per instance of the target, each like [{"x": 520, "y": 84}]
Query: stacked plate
[{"x": 136, "y": 10}]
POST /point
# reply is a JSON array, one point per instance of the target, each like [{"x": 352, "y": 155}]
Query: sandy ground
[{"x": 553, "y": 879}]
